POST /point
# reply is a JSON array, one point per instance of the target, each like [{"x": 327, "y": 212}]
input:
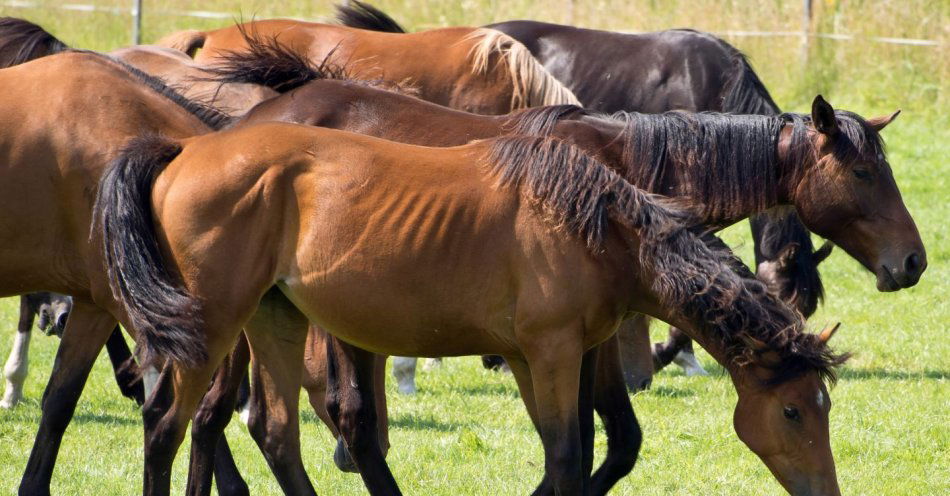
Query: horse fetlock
[
  {"x": 404, "y": 370},
  {"x": 690, "y": 365}
]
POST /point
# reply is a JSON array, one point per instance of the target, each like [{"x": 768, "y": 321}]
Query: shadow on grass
[
  {"x": 487, "y": 389},
  {"x": 423, "y": 424},
  {"x": 670, "y": 392},
  {"x": 848, "y": 374},
  {"x": 104, "y": 418}
]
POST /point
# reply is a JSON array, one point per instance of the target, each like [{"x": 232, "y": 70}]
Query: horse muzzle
[{"x": 902, "y": 273}]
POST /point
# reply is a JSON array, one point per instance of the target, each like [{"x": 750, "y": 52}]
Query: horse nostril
[
  {"x": 912, "y": 263},
  {"x": 61, "y": 321}
]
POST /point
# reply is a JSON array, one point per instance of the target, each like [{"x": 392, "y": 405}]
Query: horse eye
[
  {"x": 862, "y": 174},
  {"x": 791, "y": 413}
]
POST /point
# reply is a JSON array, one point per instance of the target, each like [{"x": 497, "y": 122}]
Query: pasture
[{"x": 466, "y": 432}]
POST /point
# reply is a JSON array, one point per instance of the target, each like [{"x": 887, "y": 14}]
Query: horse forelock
[
  {"x": 532, "y": 84},
  {"x": 696, "y": 275}
]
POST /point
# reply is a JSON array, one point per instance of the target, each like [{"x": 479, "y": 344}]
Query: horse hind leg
[
  {"x": 207, "y": 432},
  {"x": 127, "y": 374},
  {"x": 18, "y": 364},
  {"x": 277, "y": 335}
]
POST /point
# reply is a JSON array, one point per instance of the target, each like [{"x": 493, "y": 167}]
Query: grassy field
[{"x": 466, "y": 431}]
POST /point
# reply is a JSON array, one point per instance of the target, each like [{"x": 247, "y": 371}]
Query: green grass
[{"x": 467, "y": 433}]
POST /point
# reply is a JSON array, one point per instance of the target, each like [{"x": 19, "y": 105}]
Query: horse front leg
[
  {"x": 620, "y": 423},
  {"x": 18, "y": 364},
  {"x": 207, "y": 431},
  {"x": 86, "y": 332},
  {"x": 351, "y": 402},
  {"x": 126, "y": 370},
  {"x": 677, "y": 349},
  {"x": 556, "y": 362}
]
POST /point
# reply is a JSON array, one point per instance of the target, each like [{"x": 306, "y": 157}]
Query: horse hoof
[
  {"x": 637, "y": 384},
  {"x": 689, "y": 364},
  {"x": 342, "y": 458},
  {"x": 432, "y": 364}
]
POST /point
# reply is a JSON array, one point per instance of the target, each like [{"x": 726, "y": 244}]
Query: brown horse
[
  {"x": 475, "y": 69},
  {"x": 190, "y": 79},
  {"x": 357, "y": 107},
  {"x": 346, "y": 222},
  {"x": 58, "y": 137}
]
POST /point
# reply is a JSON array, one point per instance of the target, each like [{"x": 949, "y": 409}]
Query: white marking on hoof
[
  {"x": 245, "y": 413},
  {"x": 689, "y": 364},
  {"x": 16, "y": 370},
  {"x": 404, "y": 370}
]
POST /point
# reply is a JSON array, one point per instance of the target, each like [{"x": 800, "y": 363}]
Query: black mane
[{"x": 693, "y": 274}]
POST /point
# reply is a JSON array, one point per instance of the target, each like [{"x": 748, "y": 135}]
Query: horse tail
[
  {"x": 164, "y": 314},
  {"x": 22, "y": 41},
  {"x": 267, "y": 62},
  {"x": 364, "y": 16},
  {"x": 187, "y": 41},
  {"x": 745, "y": 93},
  {"x": 533, "y": 84}
]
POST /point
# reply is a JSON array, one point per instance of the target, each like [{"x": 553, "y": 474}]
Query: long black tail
[
  {"x": 268, "y": 62},
  {"x": 22, "y": 41},
  {"x": 163, "y": 314},
  {"x": 364, "y": 16}
]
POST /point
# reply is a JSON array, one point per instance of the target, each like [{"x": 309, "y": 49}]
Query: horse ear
[
  {"x": 822, "y": 253},
  {"x": 828, "y": 332},
  {"x": 879, "y": 123},
  {"x": 786, "y": 256},
  {"x": 823, "y": 117}
]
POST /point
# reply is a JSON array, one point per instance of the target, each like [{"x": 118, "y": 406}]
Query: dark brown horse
[
  {"x": 651, "y": 72},
  {"x": 473, "y": 69},
  {"x": 357, "y": 107},
  {"x": 347, "y": 222}
]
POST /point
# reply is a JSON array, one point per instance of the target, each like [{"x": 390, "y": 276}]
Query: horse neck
[{"x": 722, "y": 196}]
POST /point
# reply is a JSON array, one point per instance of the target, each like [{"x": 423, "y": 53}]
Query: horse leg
[
  {"x": 678, "y": 349},
  {"x": 207, "y": 430},
  {"x": 404, "y": 370},
  {"x": 127, "y": 374},
  {"x": 166, "y": 414},
  {"x": 86, "y": 332},
  {"x": 351, "y": 398},
  {"x": 620, "y": 424},
  {"x": 18, "y": 363},
  {"x": 277, "y": 334},
  {"x": 556, "y": 377},
  {"x": 634, "y": 348}
]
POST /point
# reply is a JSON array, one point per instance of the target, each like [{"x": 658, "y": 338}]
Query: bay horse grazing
[
  {"x": 53, "y": 311},
  {"x": 629, "y": 144},
  {"x": 651, "y": 72},
  {"x": 474, "y": 69},
  {"x": 348, "y": 221},
  {"x": 58, "y": 137}
]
